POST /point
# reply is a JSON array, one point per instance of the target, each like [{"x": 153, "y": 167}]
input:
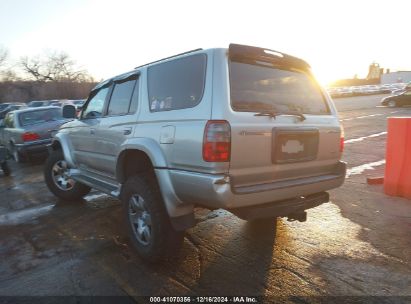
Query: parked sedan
[
  {"x": 399, "y": 100},
  {"x": 4, "y": 105},
  {"x": 9, "y": 108},
  {"x": 27, "y": 132},
  {"x": 40, "y": 103}
]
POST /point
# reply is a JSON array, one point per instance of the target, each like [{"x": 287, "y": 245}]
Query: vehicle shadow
[
  {"x": 221, "y": 256},
  {"x": 234, "y": 257}
]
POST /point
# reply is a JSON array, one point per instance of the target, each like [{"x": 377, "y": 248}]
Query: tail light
[
  {"x": 341, "y": 139},
  {"x": 217, "y": 141},
  {"x": 30, "y": 136}
]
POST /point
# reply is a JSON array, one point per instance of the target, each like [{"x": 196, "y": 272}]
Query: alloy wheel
[
  {"x": 140, "y": 219},
  {"x": 60, "y": 177}
]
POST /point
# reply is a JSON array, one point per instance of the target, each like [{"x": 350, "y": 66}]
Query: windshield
[
  {"x": 3, "y": 106},
  {"x": 262, "y": 87},
  {"x": 39, "y": 116}
]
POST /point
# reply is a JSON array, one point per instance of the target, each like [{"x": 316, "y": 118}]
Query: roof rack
[{"x": 188, "y": 52}]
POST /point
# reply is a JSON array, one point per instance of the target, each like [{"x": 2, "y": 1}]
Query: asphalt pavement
[{"x": 358, "y": 244}]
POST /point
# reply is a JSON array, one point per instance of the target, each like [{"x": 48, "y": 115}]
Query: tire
[
  {"x": 6, "y": 169},
  {"x": 18, "y": 158},
  {"x": 392, "y": 103},
  {"x": 59, "y": 184},
  {"x": 147, "y": 221}
]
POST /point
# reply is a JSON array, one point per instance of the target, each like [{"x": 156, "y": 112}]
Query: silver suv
[{"x": 245, "y": 129}]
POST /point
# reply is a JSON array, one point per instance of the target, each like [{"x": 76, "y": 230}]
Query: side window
[
  {"x": 94, "y": 107},
  {"x": 121, "y": 98},
  {"x": 177, "y": 84},
  {"x": 9, "y": 121}
]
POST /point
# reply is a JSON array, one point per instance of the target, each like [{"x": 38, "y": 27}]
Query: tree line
[{"x": 52, "y": 75}]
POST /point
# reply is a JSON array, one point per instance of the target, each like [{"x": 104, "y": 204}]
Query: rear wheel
[
  {"x": 6, "y": 169},
  {"x": 148, "y": 223},
  {"x": 18, "y": 158},
  {"x": 58, "y": 181}
]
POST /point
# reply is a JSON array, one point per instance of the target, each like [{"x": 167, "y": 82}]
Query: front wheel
[
  {"x": 147, "y": 221},
  {"x": 392, "y": 103},
  {"x": 58, "y": 181}
]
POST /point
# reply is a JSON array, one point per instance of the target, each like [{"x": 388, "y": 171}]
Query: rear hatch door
[{"x": 282, "y": 126}]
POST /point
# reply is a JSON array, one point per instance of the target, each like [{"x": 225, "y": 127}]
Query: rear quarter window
[{"x": 177, "y": 84}]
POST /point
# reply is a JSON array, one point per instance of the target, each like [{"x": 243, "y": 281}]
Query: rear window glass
[
  {"x": 40, "y": 116},
  {"x": 258, "y": 87},
  {"x": 177, "y": 84},
  {"x": 36, "y": 104}
]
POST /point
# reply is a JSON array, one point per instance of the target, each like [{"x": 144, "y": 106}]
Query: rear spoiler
[{"x": 242, "y": 52}]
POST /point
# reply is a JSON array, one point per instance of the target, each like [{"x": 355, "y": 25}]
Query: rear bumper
[
  {"x": 216, "y": 191},
  {"x": 36, "y": 147}
]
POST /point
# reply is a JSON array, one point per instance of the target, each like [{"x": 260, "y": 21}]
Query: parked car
[
  {"x": 371, "y": 89},
  {"x": 40, "y": 103},
  {"x": 79, "y": 103},
  {"x": 4, "y": 105},
  {"x": 28, "y": 131},
  {"x": 61, "y": 103},
  {"x": 385, "y": 89},
  {"x": 244, "y": 129},
  {"x": 399, "y": 100},
  {"x": 11, "y": 107},
  {"x": 346, "y": 92}
]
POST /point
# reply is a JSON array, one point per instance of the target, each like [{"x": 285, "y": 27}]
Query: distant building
[
  {"x": 374, "y": 71},
  {"x": 396, "y": 77}
]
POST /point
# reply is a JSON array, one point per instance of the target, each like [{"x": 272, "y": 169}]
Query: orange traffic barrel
[{"x": 397, "y": 178}]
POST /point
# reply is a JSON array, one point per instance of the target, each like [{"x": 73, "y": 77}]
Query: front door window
[{"x": 95, "y": 106}]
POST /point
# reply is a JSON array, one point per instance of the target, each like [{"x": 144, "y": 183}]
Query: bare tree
[
  {"x": 4, "y": 54},
  {"x": 32, "y": 66},
  {"x": 8, "y": 75},
  {"x": 6, "y": 70},
  {"x": 54, "y": 67}
]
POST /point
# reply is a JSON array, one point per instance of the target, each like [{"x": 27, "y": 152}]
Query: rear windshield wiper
[{"x": 274, "y": 114}]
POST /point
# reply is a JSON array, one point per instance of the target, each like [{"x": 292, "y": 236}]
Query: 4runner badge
[{"x": 292, "y": 147}]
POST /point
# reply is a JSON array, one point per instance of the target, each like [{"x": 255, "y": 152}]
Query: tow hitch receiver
[
  {"x": 294, "y": 209},
  {"x": 300, "y": 216}
]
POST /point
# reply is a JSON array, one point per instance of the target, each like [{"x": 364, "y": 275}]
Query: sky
[{"x": 338, "y": 38}]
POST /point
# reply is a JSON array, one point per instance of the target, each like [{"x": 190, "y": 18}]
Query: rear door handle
[{"x": 93, "y": 131}]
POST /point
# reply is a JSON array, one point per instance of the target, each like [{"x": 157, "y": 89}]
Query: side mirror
[{"x": 69, "y": 111}]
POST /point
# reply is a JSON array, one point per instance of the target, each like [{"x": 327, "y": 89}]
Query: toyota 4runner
[{"x": 245, "y": 129}]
